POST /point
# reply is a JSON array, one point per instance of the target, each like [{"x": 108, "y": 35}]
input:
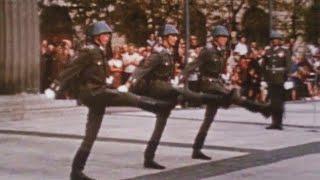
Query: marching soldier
[
  {"x": 88, "y": 73},
  {"x": 277, "y": 63},
  {"x": 211, "y": 63},
  {"x": 153, "y": 79}
]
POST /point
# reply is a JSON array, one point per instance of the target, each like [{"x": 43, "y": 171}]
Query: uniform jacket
[
  {"x": 87, "y": 71},
  {"x": 158, "y": 66},
  {"x": 211, "y": 63},
  {"x": 276, "y": 65}
]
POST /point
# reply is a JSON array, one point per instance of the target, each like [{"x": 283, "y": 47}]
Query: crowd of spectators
[{"x": 243, "y": 69}]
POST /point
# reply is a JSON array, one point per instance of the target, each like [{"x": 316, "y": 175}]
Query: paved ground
[{"x": 38, "y": 142}]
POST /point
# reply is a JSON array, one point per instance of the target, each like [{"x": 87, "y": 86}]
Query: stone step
[{"x": 36, "y": 106}]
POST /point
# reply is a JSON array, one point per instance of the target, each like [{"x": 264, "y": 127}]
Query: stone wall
[{"x": 19, "y": 46}]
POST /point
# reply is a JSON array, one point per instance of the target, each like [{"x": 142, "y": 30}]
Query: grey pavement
[{"x": 39, "y": 137}]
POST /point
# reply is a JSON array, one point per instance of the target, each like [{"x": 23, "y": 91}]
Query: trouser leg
[
  {"x": 205, "y": 98},
  {"x": 264, "y": 109},
  {"x": 93, "y": 125},
  {"x": 153, "y": 143},
  {"x": 210, "y": 113},
  {"x": 131, "y": 99},
  {"x": 277, "y": 97}
]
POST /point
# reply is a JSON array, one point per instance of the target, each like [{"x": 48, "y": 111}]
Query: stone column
[{"x": 19, "y": 46}]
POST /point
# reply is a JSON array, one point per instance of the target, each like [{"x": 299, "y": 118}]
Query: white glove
[
  {"x": 288, "y": 85},
  {"x": 263, "y": 84},
  {"x": 50, "y": 94},
  {"x": 174, "y": 81},
  {"x": 122, "y": 88},
  {"x": 109, "y": 80}
]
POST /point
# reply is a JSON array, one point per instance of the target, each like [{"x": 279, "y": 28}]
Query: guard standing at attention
[{"x": 276, "y": 66}]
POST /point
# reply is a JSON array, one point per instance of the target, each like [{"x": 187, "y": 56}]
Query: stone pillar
[{"x": 19, "y": 46}]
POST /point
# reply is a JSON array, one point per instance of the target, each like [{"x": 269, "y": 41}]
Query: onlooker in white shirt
[
  {"x": 131, "y": 60},
  {"x": 241, "y": 47}
]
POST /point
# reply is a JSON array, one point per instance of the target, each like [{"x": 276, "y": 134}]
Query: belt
[
  {"x": 277, "y": 69},
  {"x": 161, "y": 79},
  {"x": 211, "y": 79}
]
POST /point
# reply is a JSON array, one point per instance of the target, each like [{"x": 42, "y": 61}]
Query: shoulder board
[{"x": 89, "y": 47}]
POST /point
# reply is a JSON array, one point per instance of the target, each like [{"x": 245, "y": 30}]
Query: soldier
[
  {"x": 276, "y": 66},
  {"x": 153, "y": 79},
  {"x": 211, "y": 63},
  {"x": 89, "y": 71}
]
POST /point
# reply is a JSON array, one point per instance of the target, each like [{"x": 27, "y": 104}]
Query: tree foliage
[
  {"x": 137, "y": 18},
  {"x": 312, "y": 23}
]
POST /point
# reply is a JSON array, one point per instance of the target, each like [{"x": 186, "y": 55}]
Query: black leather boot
[
  {"x": 275, "y": 127},
  {"x": 276, "y": 123},
  {"x": 197, "y": 146},
  {"x": 152, "y": 105},
  {"x": 78, "y": 164},
  {"x": 149, "y": 156},
  {"x": 197, "y": 154},
  {"x": 264, "y": 109}
]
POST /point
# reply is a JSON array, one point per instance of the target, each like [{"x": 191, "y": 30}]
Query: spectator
[
  {"x": 46, "y": 65},
  {"x": 242, "y": 47},
  {"x": 116, "y": 68},
  {"x": 152, "y": 40},
  {"x": 300, "y": 70},
  {"x": 131, "y": 60}
]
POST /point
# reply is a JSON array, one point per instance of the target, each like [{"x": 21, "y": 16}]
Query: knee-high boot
[
  {"x": 153, "y": 105},
  {"x": 202, "y": 134},
  {"x": 78, "y": 164},
  {"x": 153, "y": 143},
  {"x": 264, "y": 108}
]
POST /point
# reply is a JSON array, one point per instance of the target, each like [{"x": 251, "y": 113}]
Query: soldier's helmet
[
  {"x": 275, "y": 35},
  {"x": 170, "y": 29},
  {"x": 99, "y": 27},
  {"x": 220, "y": 31}
]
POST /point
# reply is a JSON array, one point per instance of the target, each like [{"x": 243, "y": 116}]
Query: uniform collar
[
  {"x": 166, "y": 50},
  {"x": 103, "y": 49},
  {"x": 275, "y": 47},
  {"x": 218, "y": 47}
]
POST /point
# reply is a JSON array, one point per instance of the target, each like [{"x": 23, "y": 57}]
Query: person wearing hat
[
  {"x": 153, "y": 79},
  {"x": 276, "y": 66},
  {"x": 87, "y": 74},
  {"x": 211, "y": 63}
]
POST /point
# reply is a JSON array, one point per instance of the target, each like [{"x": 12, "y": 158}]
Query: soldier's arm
[
  {"x": 288, "y": 62},
  {"x": 71, "y": 71},
  {"x": 263, "y": 63},
  {"x": 143, "y": 71},
  {"x": 203, "y": 56}
]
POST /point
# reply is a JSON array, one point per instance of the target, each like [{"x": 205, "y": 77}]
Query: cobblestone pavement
[{"x": 40, "y": 144}]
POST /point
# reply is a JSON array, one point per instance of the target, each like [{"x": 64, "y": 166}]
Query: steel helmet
[
  {"x": 170, "y": 29},
  {"x": 275, "y": 35},
  {"x": 220, "y": 31},
  {"x": 99, "y": 28}
]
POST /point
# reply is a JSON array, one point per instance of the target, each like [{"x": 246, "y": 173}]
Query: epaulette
[{"x": 89, "y": 47}]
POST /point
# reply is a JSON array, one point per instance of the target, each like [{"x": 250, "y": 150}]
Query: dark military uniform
[
  {"x": 89, "y": 71},
  {"x": 153, "y": 79},
  {"x": 277, "y": 63},
  {"x": 211, "y": 63}
]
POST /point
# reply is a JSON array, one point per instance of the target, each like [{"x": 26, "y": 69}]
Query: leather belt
[
  {"x": 211, "y": 79},
  {"x": 277, "y": 69}
]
